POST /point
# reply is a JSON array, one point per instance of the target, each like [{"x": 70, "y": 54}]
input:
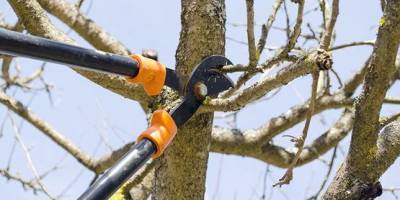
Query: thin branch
[
  {"x": 18, "y": 108},
  {"x": 300, "y": 141},
  {"x": 282, "y": 53},
  {"x": 328, "y": 173},
  {"x": 326, "y": 39},
  {"x": 250, "y": 33},
  {"x": 36, "y": 22},
  {"x": 265, "y": 28},
  {"x": 391, "y": 100},
  {"x": 84, "y": 26},
  {"x": 327, "y": 35},
  {"x": 287, "y": 29},
  {"x": 26, "y": 184},
  {"x": 245, "y": 43},
  {"x": 234, "y": 142},
  {"x": 28, "y": 158},
  {"x": 302, "y": 67},
  {"x": 352, "y": 44},
  {"x": 5, "y": 68}
]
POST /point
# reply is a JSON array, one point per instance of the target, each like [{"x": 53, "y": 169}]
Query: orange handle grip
[
  {"x": 151, "y": 74},
  {"x": 161, "y": 131}
]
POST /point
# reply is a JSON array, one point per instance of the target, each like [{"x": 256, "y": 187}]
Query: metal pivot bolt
[{"x": 200, "y": 90}]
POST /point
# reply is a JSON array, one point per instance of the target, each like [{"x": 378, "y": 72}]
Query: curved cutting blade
[{"x": 207, "y": 72}]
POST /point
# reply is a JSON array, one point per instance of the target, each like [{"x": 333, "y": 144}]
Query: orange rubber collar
[
  {"x": 151, "y": 74},
  {"x": 161, "y": 132}
]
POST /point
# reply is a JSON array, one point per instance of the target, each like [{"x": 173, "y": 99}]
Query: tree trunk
[
  {"x": 358, "y": 177},
  {"x": 181, "y": 172}
]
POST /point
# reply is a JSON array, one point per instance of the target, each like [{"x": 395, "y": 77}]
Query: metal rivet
[{"x": 200, "y": 90}]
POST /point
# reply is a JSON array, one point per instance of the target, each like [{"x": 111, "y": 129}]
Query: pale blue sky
[{"x": 85, "y": 112}]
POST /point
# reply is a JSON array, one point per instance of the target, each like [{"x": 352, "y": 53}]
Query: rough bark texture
[
  {"x": 357, "y": 176},
  {"x": 181, "y": 171}
]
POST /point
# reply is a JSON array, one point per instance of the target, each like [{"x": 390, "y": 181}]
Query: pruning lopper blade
[{"x": 205, "y": 80}]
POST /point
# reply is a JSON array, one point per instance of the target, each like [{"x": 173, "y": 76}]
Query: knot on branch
[
  {"x": 371, "y": 191},
  {"x": 323, "y": 60},
  {"x": 365, "y": 191}
]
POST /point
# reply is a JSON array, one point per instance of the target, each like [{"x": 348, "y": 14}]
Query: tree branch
[
  {"x": 36, "y": 22},
  {"x": 327, "y": 36},
  {"x": 282, "y": 53},
  {"x": 84, "y": 26},
  {"x": 358, "y": 176},
  {"x": 305, "y": 65},
  {"x": 250, "y": 34},
  {"x": 377, "y": 81},
  {"x": 391, "y": 100},
  {"x": 352, "y": 44},
  {"x": 388, "y": 145},
  {"x": 18, "y": 108},
  {"x": 26, "y": 184},
  {"x": 228, "y": 142},
  {"x": 267, "y": 26}
]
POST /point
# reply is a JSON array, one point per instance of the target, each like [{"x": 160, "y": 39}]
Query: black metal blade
[
  {"x": 172, "y": 80},
  {"x": 217, "y": 82},
  {"x": 185, "y": 110},
  {"x": 207, "y": 72}
]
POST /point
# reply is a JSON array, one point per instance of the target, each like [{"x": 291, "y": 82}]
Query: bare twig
[
  {"x": 287, "y": 29},
  {"x": 49, "y": 131},
  {"x": 250, "y": 33},
  {"x": 391, "y": 100},
  {"x": 352, "y": 44},
  {"x": 327, "y": 36},
  {"x": 26, "y": 184},
  {"x": 267, "y": 170},
  {"x": 28, "y": 158},
  {"x": 245, "y": 43},
  {"x": 254, "y": 144},
  {"x": 265, "y": 28},
  {"x": 36, "y": 22},
  {"x": 328, "y": 173},
  {"x": 392, "y": 190},
  {"x": 301, "y": 67},
  {"x": 300, "y": 141},
  {"x": 326, "y": 39},
  {"x": 282, "y": 53}
]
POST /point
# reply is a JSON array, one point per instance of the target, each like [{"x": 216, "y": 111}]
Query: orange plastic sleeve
[
  {"x": 161, "y": 132},
  {"x": 151, "y": 74}
]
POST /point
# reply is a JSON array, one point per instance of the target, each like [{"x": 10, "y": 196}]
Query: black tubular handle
[
  {"x": 17, "y": 44},
  {"x": 114, "y": 177}
]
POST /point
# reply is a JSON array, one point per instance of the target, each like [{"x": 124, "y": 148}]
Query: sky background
[{"x": 100, "y": 121}]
